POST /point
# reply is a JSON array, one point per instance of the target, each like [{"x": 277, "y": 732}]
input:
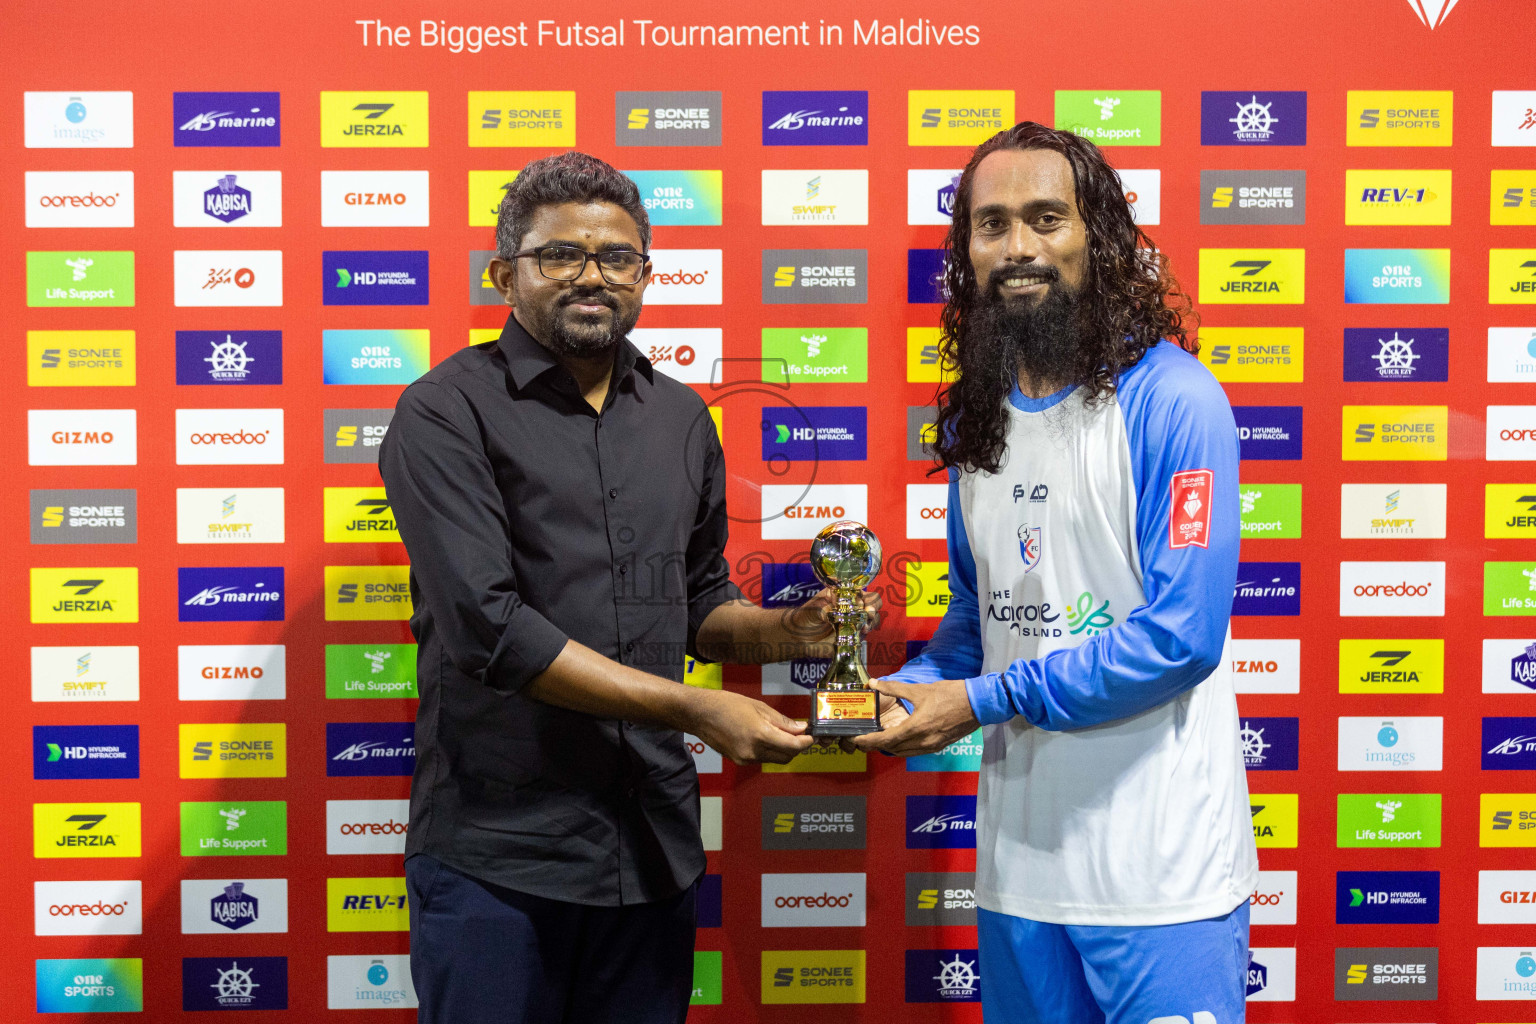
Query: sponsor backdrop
[{"x": 219, "y": 271}]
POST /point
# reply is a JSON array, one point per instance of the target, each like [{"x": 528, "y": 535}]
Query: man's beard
[
  {"x": 582, "y": 336},
  {"x": 1041, "y": 339}
]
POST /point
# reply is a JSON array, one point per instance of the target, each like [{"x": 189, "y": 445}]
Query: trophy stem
[{"x": 845, "y": 705}]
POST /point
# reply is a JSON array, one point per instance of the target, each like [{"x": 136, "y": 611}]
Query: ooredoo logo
[
  {"x": 813, "y": 901},
  {"x": 229, "y": 437},
  {"x": 366, "y": 826},
  {"x": 1392, "y": 588},
  {"x": 1511, "y": 433},
  {"x": 88, "y": 908},
  {"x": 79, "y": 199},
  {"x": 684, "y": 277}
]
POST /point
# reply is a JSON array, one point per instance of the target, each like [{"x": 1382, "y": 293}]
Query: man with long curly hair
[{"x": 1093, "y": 538}]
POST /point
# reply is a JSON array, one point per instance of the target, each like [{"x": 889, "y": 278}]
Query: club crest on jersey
[
  {"x": 1189, "y": 514},
  {"x": 1029, "y": 546}
]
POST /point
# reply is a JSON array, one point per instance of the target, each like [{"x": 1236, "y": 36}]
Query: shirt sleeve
[
  {"x": 955, "y": 650},
  {"x": 1189, "y": 570},
  {"x": 708, "y": 573},
  {"x": 451, "y": 517}
]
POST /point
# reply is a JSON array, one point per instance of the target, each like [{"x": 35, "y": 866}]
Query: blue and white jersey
[{"x": 1091, "y": 583}]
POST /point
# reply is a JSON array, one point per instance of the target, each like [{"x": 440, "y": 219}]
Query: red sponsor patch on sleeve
[{"x": 1189, "y": 517}]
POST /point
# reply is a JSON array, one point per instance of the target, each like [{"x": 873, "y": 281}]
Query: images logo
[
  {"x": 85, "y": 751},
  {"x": 680, "y": 197},
  {"x": 369, "y": 748},
  {"x": 685, "y": 277},
  {"x": 86, "y": 830},
  {"x": 84, "y": 517},
  {"x": 1253, "y": 197},
  {"x": 666, "y": 118},
  {"x": 1392, "y": 666},
  {"x": 1267, "y": 588},
  {"x": 1253, "y": 354},
  {"x": 941, "y": 822},
  {"x": 1253, "y": 119},
  {"x": 366, "y": 982},
  {"x": 815, "y": 118},
  {"x": 354, "y": 435},
  {"x": 227, "y": 118},
  {"x": 809, "y": 355},
  {"x": 1401, "y": 118},
  {"x": 382, "y": 119},
  {"x": 375, "y": 357},
  {"x": 1388, "y": 820},
  {"x": 1270, "y": 510},
  {"x": 813, "y": 976},
  {"x": 78, "y": 120},
  {"x": 815, "y": 275},
  {"x": 815, "y": 197},
  {"x": 230, "y": 594},
  {"x": 1127, "y": 118},
  {"x": 813, "y": 823},
  {"x": 1270, "y": 744},
  {"x": 79, "y": 199},
  {"x": 814, "y": 433},
  {"x": 370, "y": 670},
  {"x": 90, "y": 986},
  {"x": 957, "y": 117},
  {"x": 1274, "y": 819},
  {"x": 1396, "y": 744},
  {"x": 367, "y": 592},
  {"x": 374, "y": 278},
  {"x": 1253, "y": 276},
  {"x": 242, "y": 750},
  {"x": 375, "y": 199},
  {"x": 85, "y": 595},
  {"x": 1402, "y": 433},
  {"x": 542, "y": 119},
  {"x": 798, "y": 511},
  {"x": 1396, "y": 353},
  {"x": 244, "y": 828},
  {"x": 365, "y": 905},
  {"x": 229, "y": 357},
  {"x": 80, "y": 279}
]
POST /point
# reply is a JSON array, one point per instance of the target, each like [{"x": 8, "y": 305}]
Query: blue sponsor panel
[
  {"x": 925, "y": 275},
  {"x": 1388, "y": 897},
  {"x": 1270, "y": 744},
  {"x": 1396, "y": 353},
  {"x": 229, "y": 357},
  {"x": 234, "y": 983},
  {"x": 1253, "y": 118},
  {"x": 709, "y": 903},
  {"x": 85, "y": 751},
  {"x": 1268, "y": 431},
  {"x": 943, "y": 976},
  {"x": 1509, "y": 744},
  {"x": 787, "y": 584},
  {"x": 941, "y": 822},
  {"x": 1391, "y": 276},
  {"x": 815, "y": 118},
  {"x": 374, "y": 277},
  {"x": 230, "y": 594},
  {"x": 1267, "y": 588},
  {"x": 104, "y": 985},
  {"x": 375, "y": 356},
  {"x": 227, "y": 118},
  {"x": 834, "y": 433},
  {"x": 370, "y": 748}
]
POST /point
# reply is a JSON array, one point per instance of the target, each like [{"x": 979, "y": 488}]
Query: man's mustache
[
  {"x": 598, "y": 296},
  {"x": 1044, "y": 271}
]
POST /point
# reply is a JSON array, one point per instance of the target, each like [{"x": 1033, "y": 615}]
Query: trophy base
[
  {"x": 844, "y": 713},
  {"x": 842, "y": 728}
]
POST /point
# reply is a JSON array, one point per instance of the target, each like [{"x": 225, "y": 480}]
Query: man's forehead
[
  {"x": 599, "y": 221},
  {"x": 1016, "y": 176}
]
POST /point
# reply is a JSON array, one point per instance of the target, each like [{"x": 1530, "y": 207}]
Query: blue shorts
[{"x": 1034, "y": 973}]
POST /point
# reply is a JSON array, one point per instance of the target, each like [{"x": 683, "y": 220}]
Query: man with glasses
[{"x": 563, "y": 505}]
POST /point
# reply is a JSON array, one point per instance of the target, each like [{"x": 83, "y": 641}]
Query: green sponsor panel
[
  {"x": 79, "y": 278},
  {"x": 370, "y": 670},
  {"x": 1271, "y": 510},
  {"x": 234, "y": 828},
  {"x": 1112, "y": 118},
  {"x": 816, "y": 355},
  {"x": 1509, "y": 588},
  {"x": 1389, "y": 819},
  {"x": 707, "y": 987}
]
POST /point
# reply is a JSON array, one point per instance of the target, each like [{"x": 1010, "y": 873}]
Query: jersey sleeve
[
  {"x": 955, "y": 650},
  {"x": 1184, "y": 455}
]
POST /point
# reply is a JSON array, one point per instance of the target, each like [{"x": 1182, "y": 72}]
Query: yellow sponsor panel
[
  {"x": 1395, "y": 433},
  {"x": 233, "y": 750},
  {"x": 522, "y": 119},
  {"x": 1392, "y": 666},
  {"x": 957, "y": 117},
  {"x": 359, "y": 515},
  {"x": 86, "y": 830},
  {"x": 373, "y": 119},
  {"x": 1253, "y": 276},
  {"x": 356, "y": 593},
  {"x": 1507, "y": 819},
  {"x": 1250, "y": 355},
  {"x": 1397, "y": 197},
  {"x": 1275, "y": 819},
  {"x": 927, "y": 590},
  {"x": 366, "y": 905},
  {"x": 1511, "y": 276},
  {"x": 924, "y": 363},
  {"x": 1512, "y": 197},
  {"x": 486, "y": 189},
  {"x": 85, "y": 595},
  {"x": 1398, "y": 117},
  {"x": 703, "y": 674},
  {"x": 821, "y": 758},
  {"x": 1509, "y": 510},
  {"x": 813, "y": 976},
  {"x": 80, "y": 359},
  {"x": 717, "y": 415},
  {"x": 480, "y": 335}
]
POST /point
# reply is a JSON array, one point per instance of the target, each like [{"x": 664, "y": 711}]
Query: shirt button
[
  {"x": 629, "y": 646},
  {"x": 613, "y": 492},
  {"x": 623, "y": 569}
]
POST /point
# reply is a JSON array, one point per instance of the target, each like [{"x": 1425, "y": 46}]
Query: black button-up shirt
[{"x": 531, "y": 519}]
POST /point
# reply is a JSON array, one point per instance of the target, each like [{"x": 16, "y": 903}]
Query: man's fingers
[
  {"x": 793, "y": 726},
  {"x": 895, "y": 688}
]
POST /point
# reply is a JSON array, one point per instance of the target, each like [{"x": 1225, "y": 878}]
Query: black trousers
[{"x": 483, "y": 954}]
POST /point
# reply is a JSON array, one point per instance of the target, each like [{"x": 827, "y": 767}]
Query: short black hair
[{"x": 564, "y": 178}]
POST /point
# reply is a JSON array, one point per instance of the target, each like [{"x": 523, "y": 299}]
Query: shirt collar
[{"x": 527, "y": 359}]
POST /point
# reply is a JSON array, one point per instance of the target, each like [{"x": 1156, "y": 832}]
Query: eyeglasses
[{"x": 567, "y": 263}]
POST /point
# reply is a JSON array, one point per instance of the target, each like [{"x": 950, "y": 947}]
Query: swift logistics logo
[
  {"x": 1270, "y": 510},
  {"x": 1270, "y": 744},
  {"x": 1375, "y": 973},
  {"x": 85, "y": 674},
  {"x": 365, "y": 905},
  {"x": 375, "y": 356},
  {"x": 791, "y": 276},
  {"x": 538, "y": 119},
  {"x": 114, "y": 985},
  {"x": 370, "y": 670},
  {"x": 957, "y": 117},
  {"x": 1511, "y": 276},
  {"x": 1509, "y": 744},
  {"x": 680, "y": 198},
  {"x": 367, "y": 592},
  {"x": 1387, "y": 897},
  {"x": 233, "y": 750},
  {"x": 86, "y": 830},
  {"x": 811, "y": 355},
  {"x": 815, "y": 118},
  {"x": 1397, "y": 276},
  {"x": 1398, "y": 118},
  {"x": 1253, "y": 276},
  {"x": 229, "y": 357},
  {"x": 813, "y": 823},
  {"x": 1401, "y": 433},
  {"x": 1253, "y": 197},
  {"x": 1509, "y": 510},
  {"x": 375, "y": 199},
  {"x": 227, "y": 199},
  {"x": 1248, "y": 355},
  {"x": 1394, "y": 354},
  {"x": 369, "y": 749},
  {"x": 88, "y": 908},
  {"x": 84, "y": 517},
  {"x": 811, "y": 197},
  {"x": 1112, "y": 118},
  {"x": 1275, "y": 818},
  {"x": 354, "y": 435},
  {"x": 230, "y": 594},
  {"x": 85, "y": 751},
  {"x": 374, "y": 277},
  {"x": 1392, "y": 588},
  {"x": 77, "y": 120},
  {"x": 373, "y": 119},
  {"x": 813, "y": 976},
  {"x": 366, "y": 826},
  {"x": 1397, "y": 197},
  {"x": 941, "y": 822},
  {"x": 1388, "y": 820},
  {"x": 85, "y": 595},
  {"x": 1509, "y": 588},
  {"x": 666, "y": 119},
  {"x": 1400, "y": 743},
  {"x": 228, "y": 277},
  {"x": 234, "y": 828},
  {"x": 814, "y": 433},
  {"x": 232, "y": 672},
  {"x": 219, "y": 515},
  {"x": 80, "y": 279},
  {"x": 1253, "y": 118},
  {"x": 79, "y": 199},
  {"x": 245, "y": 983},
  {"x": 1267, "y": 588},
  {"x": 81, "y": 359},
  {"x": 1392, "y": 666},
  {"x": 227, "y": 118}
]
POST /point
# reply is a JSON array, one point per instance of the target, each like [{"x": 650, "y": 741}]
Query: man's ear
[{"x": 504, "y": 279}]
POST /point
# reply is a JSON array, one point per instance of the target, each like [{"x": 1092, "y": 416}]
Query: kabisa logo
[
  {"x": 1397, "y": 276},
  {"x": 814, "y": 434},
  {"x": 227, "y": 118},
  {"x": 1253, "y": 118},
  {"x": 367, "y": 592},
  {"x": 234, "y": 908},
  {"x": 90, "y": 986},
  {"x": 793, "y": 678},
  {"x": 369, "y": 748},
  {"x": 1270, "y": 744},
  {"x": 1509, "y": 744},
  {"x": 227, "y": 201},
  {"x": 1112, "y": 118},
  {"x": 943, "y": 976},
  {"x": 544, "y": 119},
  {"x": 374, "y": 278},
  {"x": 85, "y": 751},
  {"x": 247, "y": 983},
  {"x": 787, "y": 584},
  {"x": 79, "y": 199},
  {"x": 363, "y": 982},
  {"x": 1396, "y": 353},
  {"x": 391, "y": 119},
  {"x": 84, "y": 517},
  {"x": 666, "y": 118},
  {"x": 80, "y": 279},
  {"x": 354, "y": 435},
  {"x": 1401, "y": 118},
  {"x": 1387, "y": 897},
  {"x": 366, "y": 905},
  {"x": 1397, "y": 197},
  {"x": 219, "y": 906},
  {"x": 931, "y": 195},
  {"x": 957, "y": 117},
  {"x": 813, "y": 823},
  {"x": 815, "y": 276},
  {"x": 78, "y": 120},
  {"x": 85, "y": 594},
  {"x": 1267, "y": 588},
  {"x": 375, "y": 356},
  {"x": 1259, "y": 276},
  {"x": 229, "y": 357},
  {"x": 678, "y": 198},
  {"x": 227, "y": 198},
  {"x": 230, "y": 594},
  {"x": 941, "y": 822},
  {"x": 86, "y": 830},
  {"x": 1386, "y": 974},
  {"x": 1253, "y": 197},
  {"x": 815, "y": 118}
]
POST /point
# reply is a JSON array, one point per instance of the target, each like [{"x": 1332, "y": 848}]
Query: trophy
[{"x": 846, "y": 556}]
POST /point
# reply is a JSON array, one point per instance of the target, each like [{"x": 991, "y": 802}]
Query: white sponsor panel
[
  {"x": 1509, "y": 666},
  {"x": 88, "y": 908},
  {"x": 84, "y": 675},
  {"x": 366, "y": 826},
  {"x": 688, "y": 354},
  {"x": 711, "y": 829},
  {"x": 212, "y": 906},
  {"x": 227, "y": 199},
  {"x": 829, "y": 900},
  {"x": 1513, "y": 124},
  {"x": 1396, "y": 743},
  {"x": 82, "y": 437},
  {"x": 79, "y": 199},
  {"x": 930, "y": 195},
  {"x": 1511, "y": 355},
  {"x": 229, "y": 437},
  {"x": 706, "y": 760},
  {"x": 78, "y": 120},
  {"x": 228, "y": 277},
  {"x": 927, "y": 505},
  {"x": 795, "y": 511},
  {"x": 1144, "y": 191},
  {"x": 1274, "y": 901},
  {"x": 1506, "y": 897},
  {"x": 374, "y": 199},
  {"x": 1279, "y": 965},
  {"x": 1392, "y": 588},
  {"x": 1511, "y": 433},
  {"x": 229, "y": 515},
  {"x": 1266, "y": 666},
  {"x": 784, "y": 678},
  {"x": 1392, "y": 510},
  {"x": 815, "y": 197},
  {"x": 1506, "y": 972},
  {"x": 232, "y": 672},
  {"x": 369, "y": 982},
  {"x": 684, "y": 277}
]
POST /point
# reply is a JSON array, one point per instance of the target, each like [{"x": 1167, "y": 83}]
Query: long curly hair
[{"x": 1129, "y": 297}]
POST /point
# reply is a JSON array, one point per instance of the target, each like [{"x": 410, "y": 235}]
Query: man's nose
[
  {"x": 1023, "y": 244},
  {"x": 591, "y": 275}
]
